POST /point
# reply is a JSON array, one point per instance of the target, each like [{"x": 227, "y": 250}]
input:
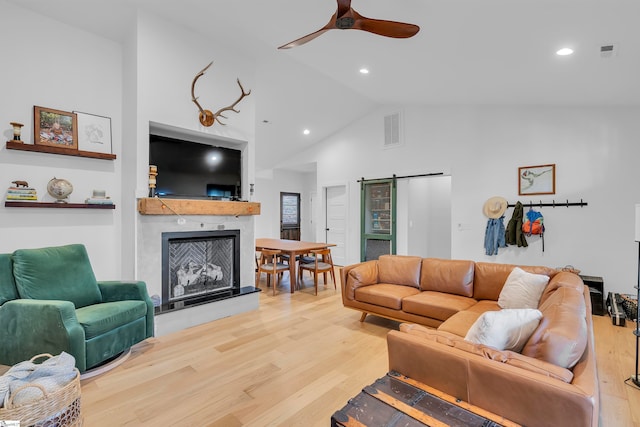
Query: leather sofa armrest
[
  {"x": 120, "y": 290},
  {"x": 24, "y": 323},
  {"x": 562, "y": 279},
  {"x": 357, "y": 275},
  {"x": 520, "y": 395}
]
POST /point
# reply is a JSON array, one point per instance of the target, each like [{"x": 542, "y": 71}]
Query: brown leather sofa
[{"x": 553, "y": 381}]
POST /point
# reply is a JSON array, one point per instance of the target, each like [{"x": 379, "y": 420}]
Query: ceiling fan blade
[
  {"x": 302, "y": 40},
  {"x": 346, "y": 18},
  {"x": 398, "y": 30},
  {"x": 305, "y": 39}
]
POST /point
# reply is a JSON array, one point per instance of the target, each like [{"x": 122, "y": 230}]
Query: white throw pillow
[
  {"x": 507, "y": 329},
  {"x": 522, "y": 289}
]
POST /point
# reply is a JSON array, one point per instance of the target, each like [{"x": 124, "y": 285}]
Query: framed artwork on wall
[
  {"x": 539, "y": 179},
  {"x": 94, "y": 133},
  {"x": 55, "y": 128}
]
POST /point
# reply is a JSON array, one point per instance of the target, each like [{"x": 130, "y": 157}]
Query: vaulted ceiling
[{"x": 480, "y": 52}]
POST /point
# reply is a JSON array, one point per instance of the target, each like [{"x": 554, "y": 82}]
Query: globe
[{"x": 59, "y": 189}]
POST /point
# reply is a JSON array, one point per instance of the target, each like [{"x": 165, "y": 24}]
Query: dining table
[{"x": 292, "y": 248}]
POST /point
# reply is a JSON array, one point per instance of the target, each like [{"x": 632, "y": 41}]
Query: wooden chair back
[
  {"x": 269, "y": 264},
  {"x": 323, "y": 263}
]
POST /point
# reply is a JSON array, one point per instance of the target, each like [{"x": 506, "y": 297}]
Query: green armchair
[{"x": 50, "y": 301}]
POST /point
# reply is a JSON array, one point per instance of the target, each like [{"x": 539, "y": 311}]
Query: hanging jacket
[
  {"x": 513, "y": 233},
  {"x": 494, "y": 236}
]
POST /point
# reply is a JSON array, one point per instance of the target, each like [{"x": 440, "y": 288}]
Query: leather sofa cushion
[
  {"x": 484, "y": 305},
  {"x": 566, "y": 295},
  {"x": 561, "y": 336},
  {"x": 506, "y": 357},
  {"x": 56, "y": 273},
  {"x": 98, "y": 319},
  {"x": 490, "y": 277},
  {"x": 436, "y": 305},
  {"x": 400, "y": 270},
  {"x": 445, "y": 275},
  {"x": 384, "y": 294},
  {"x": 8, "y": 290},
  {"x": 562, "y": 279},
  {"x": 460, "y": 322},
  {"x": 363, "y": 275}
]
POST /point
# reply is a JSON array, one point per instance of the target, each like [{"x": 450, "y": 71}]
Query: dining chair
[
  {"x": 269, "y": 264},
  {"x": 306, "y": 258},
  {"x": 322, "y": 263},
  {"x": 284, "y": 258}
]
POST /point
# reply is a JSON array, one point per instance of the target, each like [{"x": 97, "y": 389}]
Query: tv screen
[{"x": 188, "y": 169}]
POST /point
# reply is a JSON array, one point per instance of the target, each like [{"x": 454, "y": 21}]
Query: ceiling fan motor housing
[{"x": 345, "y": 23}]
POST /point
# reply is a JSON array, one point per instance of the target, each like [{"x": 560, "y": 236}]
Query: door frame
[
  {"x": 298, "y": 219},
  {"x": 322, "y": 226}
]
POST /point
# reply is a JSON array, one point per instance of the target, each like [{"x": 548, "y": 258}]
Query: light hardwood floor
[{"x": 293, "y": 362}]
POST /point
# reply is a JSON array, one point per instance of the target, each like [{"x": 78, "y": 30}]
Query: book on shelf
[
  {"x": 98, "y": 201},
  {"x": 22, "y": 188},
  {"x": 21, "y": 194},
  {"x": 20, "y": 198}
]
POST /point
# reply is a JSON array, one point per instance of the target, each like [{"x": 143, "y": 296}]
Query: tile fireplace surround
[{"x": 149, "y": 265}]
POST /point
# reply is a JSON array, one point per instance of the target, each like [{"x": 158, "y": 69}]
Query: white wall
[
  {"x": 268, "y": 187},
  {"x": 424, "y": 220},
  {"x": 147, "y": 78},
  {"x": 53, "y": 65},
  {"x": 594, "y": 148},
  {"x": 168, "y": 58}
]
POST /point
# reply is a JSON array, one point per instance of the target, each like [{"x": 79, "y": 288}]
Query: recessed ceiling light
[
  {"x": 364, "y": 71},
  {"x": 306, "y": 131},
  {"x": 564, "y": 51}
]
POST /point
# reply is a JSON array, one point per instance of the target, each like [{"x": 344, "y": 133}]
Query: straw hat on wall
[{"x": 495, "y": 207}]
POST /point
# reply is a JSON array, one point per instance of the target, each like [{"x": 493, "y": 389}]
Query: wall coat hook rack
[{"x": 553, "y": 204}]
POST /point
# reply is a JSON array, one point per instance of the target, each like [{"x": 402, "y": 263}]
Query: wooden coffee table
[{"x": 396, "y": 400}]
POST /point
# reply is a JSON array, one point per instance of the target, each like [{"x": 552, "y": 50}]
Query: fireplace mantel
[{"x": 157, "y": 206}]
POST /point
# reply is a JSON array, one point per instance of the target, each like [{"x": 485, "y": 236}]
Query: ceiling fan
[{"x": 346, "y": 18}]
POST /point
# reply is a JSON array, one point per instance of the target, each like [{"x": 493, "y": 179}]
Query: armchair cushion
[
  {"x": 56, "y": 273},
  {"x": 99, "y": 319},
  {"x": 115, "y": 290}
]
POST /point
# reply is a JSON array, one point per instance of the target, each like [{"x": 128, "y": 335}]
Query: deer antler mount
[{"x": 207, "y": 118}]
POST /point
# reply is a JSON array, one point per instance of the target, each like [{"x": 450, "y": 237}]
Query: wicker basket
[{"x": 60, "y": 408}]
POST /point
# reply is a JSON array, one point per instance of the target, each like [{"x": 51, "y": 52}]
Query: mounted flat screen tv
[{"x": 192, "y": 170}]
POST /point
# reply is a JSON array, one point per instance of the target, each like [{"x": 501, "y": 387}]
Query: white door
[{"x": 336, "y": 220}]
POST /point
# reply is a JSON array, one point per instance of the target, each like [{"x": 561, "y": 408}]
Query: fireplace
[{"x": 199, "y": 267}]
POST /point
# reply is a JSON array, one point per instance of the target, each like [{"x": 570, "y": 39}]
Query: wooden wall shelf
[
  {"x": 157, "y": 206},
  {"x": 11, "y": 204},
  {"x": 11, "y": 145}
]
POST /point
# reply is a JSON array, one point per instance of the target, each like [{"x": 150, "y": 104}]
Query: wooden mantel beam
[{"x": 157, "y": 206}]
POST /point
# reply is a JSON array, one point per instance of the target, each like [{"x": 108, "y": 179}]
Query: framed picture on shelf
[
  {"x": 55, "y": 128},
  {"x": 94, "y": 133},
  {"x": 537, "y": 180}
]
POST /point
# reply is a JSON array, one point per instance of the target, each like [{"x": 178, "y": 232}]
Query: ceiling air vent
[
  {"x": 392, "y": 130},
  {"x": 608, "y": 50}
]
